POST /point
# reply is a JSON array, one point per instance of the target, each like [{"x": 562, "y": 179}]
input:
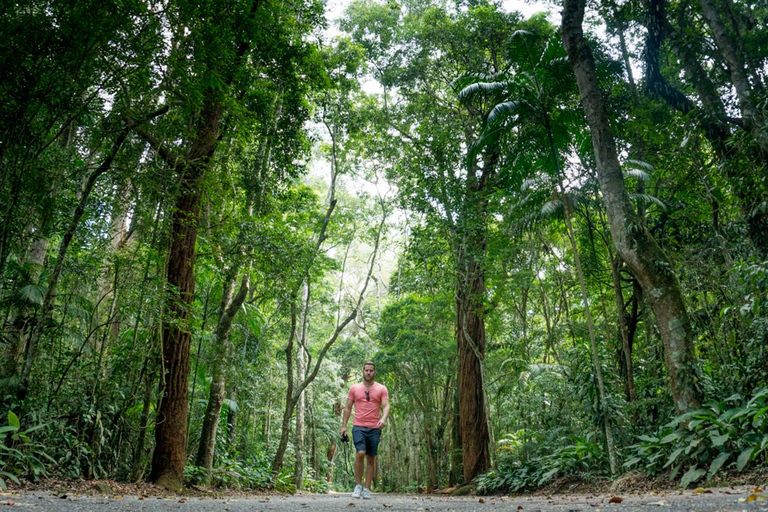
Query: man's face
[{"x": 369, "y": 372}]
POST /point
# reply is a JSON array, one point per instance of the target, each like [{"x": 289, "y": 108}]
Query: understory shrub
[
  {"x": 20, "y": 456},
  {"x": 729, "y": 433},
  {"x": 248, "y": 473},
  {"x": 581, "y": 456}
]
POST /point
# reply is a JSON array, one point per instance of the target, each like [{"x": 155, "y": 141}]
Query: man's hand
[
  {"x": 381, "y": 423},
  {"x": 343, "y": 431}
]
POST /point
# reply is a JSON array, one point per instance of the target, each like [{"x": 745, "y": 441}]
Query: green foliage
[
  {"x": 20, "y": 455},
  {"x": 730, "y": 433},
  {"x": 580, "y": 457},
  {"x": 252, "y": 473}
]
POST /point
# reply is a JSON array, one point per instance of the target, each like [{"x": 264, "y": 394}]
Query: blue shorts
[{"x": 366, "y": 439}]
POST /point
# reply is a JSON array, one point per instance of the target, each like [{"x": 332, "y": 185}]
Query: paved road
[{"x": 719, "y": 500}]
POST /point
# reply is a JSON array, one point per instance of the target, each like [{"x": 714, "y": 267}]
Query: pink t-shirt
[{"x": 367, "y": 412}]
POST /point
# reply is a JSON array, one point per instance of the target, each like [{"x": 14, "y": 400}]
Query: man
[{"x": 369, "y": 398}]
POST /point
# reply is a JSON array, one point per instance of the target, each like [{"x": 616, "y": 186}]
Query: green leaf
[
  {"x": 691, "y": 476},
  {"x": 717, "y": 464},
  {"x": 32, "y": 294},
  {"x": 720, "y": 440},
  {"x": 10, "y": 476},
  {"x": 673, "y": 457},
  {"x": 744, "y": 458},
  {"x": 674, "y": 436},
  {"x": 13, "y": 420}
]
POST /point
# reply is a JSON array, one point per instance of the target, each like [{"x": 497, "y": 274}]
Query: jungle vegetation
[{"x": 549, "y": 231}]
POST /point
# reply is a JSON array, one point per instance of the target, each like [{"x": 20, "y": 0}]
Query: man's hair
[{"x": 369, "y": 363}]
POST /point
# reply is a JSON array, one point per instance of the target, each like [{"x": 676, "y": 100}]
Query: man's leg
[
  {"x": 359, "y": 463},
  {"x": 370, "y": 465}
]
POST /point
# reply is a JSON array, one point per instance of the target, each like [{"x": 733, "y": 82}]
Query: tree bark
[
  {"x": 470, "y": 337},
  {"x": 633, "y": 241},
  {"x": 171, "y": 427}
]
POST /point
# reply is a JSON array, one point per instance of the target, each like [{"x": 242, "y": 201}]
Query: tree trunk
[
  {"x": 171, "y": 427},
  {"x": 470, "y": 337},
  {"x": 635, "y": 244}
]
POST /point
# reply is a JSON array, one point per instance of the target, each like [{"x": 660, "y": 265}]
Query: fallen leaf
[
  {"x": 183, "y": 500},
  {"x": 519, "y": 507},
  {"x": 757, "y": 489},
  {"x": 701, "y": 490},
  {"x": 9, "y": 503},
  {"x": 385, "y": 505},
  {"x": 351, "y": 505},
  {"x": 616, "y": 499}
]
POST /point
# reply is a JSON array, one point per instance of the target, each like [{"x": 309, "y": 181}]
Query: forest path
[{"x": 718, "y": 500}]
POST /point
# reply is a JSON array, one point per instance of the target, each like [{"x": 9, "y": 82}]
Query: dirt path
[{"x": 714, "y": 500}]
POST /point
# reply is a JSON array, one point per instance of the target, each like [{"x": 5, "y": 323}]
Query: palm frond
[
  {"x": 557, "y": 61},
  {"x": 486, "y": 138},
  {"x": 471, "y": 78},
  {"x": 535, "y": 183},
  {"x": 484, "y": 89},
  {"x": 637, "y": 173},
  {"x": 32, "y": 294},
  {"x": 552, "y": 208},
  {"x": 502, "y": 112},
  {"x": 649, "y": 199},
  {"x": 521, "y": 33},
  {"x": 639, "y": 164}
]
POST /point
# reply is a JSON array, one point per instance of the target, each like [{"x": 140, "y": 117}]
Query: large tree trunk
[
  {"x": 634, "y": 243},
  {"x": 171, "y": 427},
  {"x": 470, "y": 338}
]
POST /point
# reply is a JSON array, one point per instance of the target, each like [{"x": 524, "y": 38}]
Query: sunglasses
[{"x": 368, "y": 395}]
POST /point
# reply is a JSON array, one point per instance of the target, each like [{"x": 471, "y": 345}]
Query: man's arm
[
  {"x": 385, "y": 414},
  {"x": 345, "y": 419}
]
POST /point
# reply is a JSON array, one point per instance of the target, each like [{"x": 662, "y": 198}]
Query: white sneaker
[
  {"x": 358, "y": 490},
  {"x": 366, "y": 494}
]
